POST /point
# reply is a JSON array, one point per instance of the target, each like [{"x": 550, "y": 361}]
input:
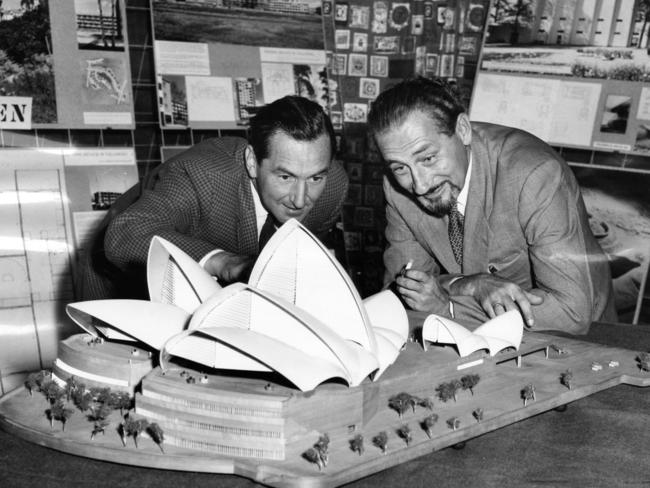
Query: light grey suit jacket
[{"x": 525, "y": 221}]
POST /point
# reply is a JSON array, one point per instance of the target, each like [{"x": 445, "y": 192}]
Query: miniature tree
[
  {"x": 156, "y": 433},
  {"x": 453, "y": 423},
  {"x": 59, "y": 412},
  {"x": 99, "y": 426},
  {"x": 405, "y": 433},
  {"x": 566, "y": 378},
  {"x": 381, "y": 441},
  {"x": 528, "y": 393},
  {"x": 426, "y": 403},
  {"x": 121, "y": 400},
  {"x": 312, "y": 456},
  {"x": 356, "y": 444},
  {"x": 400, "y": 403},
  {"x": 448, "y": 390},
  {"x": 644, "y": 361},
  {"x": 469, "y": 381},
  {"x": 52, "y": 391},
  {"x": 82, "y": 398},
  {"x": 478, "y": 414},
  {"x": 428, "y": 423},
  {"x": 33, "y": 382},
  {"x": 70, "y": 387}
]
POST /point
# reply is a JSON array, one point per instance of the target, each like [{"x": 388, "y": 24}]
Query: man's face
[
  {"x": 292, "y": 177},
  {"x": 426, "y": 163}
]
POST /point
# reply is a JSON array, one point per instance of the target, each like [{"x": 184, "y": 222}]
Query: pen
[{"x": 406, "y": 267}]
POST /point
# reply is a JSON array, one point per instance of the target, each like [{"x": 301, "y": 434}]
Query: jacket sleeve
[
  {"x": 552, "y": 216},
  {"x": 170, "y": 210},
  {"x": 401, "y": 244}
]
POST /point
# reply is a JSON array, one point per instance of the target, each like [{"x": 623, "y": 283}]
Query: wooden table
[{"x": 601, "y": 440}]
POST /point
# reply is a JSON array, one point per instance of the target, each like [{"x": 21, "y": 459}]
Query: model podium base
[{"x": 260, "y": 428}]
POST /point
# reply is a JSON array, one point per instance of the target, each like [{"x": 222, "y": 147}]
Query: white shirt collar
[{"x": 461, "y": 201}]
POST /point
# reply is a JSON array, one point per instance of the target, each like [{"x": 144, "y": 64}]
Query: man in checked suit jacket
[
  {"x": 213, "y": 199},
  {"x": 526, "y": 243}
]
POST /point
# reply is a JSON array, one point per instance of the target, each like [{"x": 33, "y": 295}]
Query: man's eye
[
  {"x": 317, "y": 179},
  {"x": 285, "y": 177},
  {"x": 398, "y": 170}
]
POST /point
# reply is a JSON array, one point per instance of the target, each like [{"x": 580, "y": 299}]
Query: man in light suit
[
  {"x": 217, "y": 200},
  {"x": 490, "y": 217}
]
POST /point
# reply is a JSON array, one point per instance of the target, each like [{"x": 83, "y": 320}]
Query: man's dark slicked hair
[
  {"x": 298, "y": 117},
  {"x": 435, "y": 97}
]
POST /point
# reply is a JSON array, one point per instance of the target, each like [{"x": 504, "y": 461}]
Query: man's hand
[
  {"x": 497, "y": 295},
  {"x": 422, "y": 292},
  {"x": 229, "y": 267}
]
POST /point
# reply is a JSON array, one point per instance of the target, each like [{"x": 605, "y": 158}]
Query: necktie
[
  {"x": 268, "y": 229},
  {"x": 455, "y": 230}
]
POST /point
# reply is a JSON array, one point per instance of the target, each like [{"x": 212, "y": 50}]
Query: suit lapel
[
  {"x": 478, "y": 210},
  {"x": 437, "y": 235}
]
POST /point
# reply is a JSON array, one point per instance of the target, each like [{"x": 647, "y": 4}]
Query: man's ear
[
  {"x": 464, "y": 129},
  {"x": 250, "y": 161}
]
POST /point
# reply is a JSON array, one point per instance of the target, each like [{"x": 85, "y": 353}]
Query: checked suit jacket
[
  {"x": 200, "y": 200},
  {"x": 525, "y": 221}
]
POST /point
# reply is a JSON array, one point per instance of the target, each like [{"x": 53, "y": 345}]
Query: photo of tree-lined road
[{"x": 250, "y": 23}]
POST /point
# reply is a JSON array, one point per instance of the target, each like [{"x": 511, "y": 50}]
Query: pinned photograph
[
  {"x": 99, "y": 25},
  {"x": 475, "y": 17},
  {"x": 368, "y": 88},
  {"x": 468, "y": 45},
  {"x": 460, "y": 67},
  {"x": 428, "y": 10},
  {"x": 417, "y": 25},
  {"x": 432, "y": 64},
  {"x": 616, "y": 114},
  {"x": 364, "y": 217},
  {"x": 358, "y": 65},
  {"x": 359, "y": 16},
  {"x": 341, "y": 12},
  {"x": 408, "y": 45},
  {"x": 447, "y": 65},
  {"x": 339, "y": 64},
  {"x": 400, "y": 13},
  {"x": 327, "y": 7},
  {"x": 379, "y": 66},
  {"x": 172, "y": 102},
  {"x": 354, "y": 194},
  {"x": 355, "y": 172},
  {"x": 342, "y": 39},
  {"x": 355, "y": 112},
  {"x": 379, "y": 17},
  {"x": 360, "y": 42},
  {"x": 374, "y": 195},
  {"x": 352, "y": 241},
  {"x": 105, "y": 81},
  {"x": 337, "y": 120},
  {"x": 385, "y": 44}
]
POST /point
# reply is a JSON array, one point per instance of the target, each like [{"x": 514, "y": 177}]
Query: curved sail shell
[
  {"x": 150, "y": 322},
  {"x": 174, "y": 277},
  {"x": 242, "y": 306},
  {"x": 297, "y": 267},
  {"x": 298, "y": 366}
]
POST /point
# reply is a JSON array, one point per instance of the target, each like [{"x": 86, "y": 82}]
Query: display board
[
  {"x": 572, "y": 73},
  {"x": 217, "y": 62},
  {"x": 66, "y": 65},
  {"x": 372, "y": 44},
  {"x": 52, "y": 199}
]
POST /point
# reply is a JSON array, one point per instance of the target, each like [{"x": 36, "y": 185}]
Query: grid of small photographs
[{"x": 370, "y": 45}]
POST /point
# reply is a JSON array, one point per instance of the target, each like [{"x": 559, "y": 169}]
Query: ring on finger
[{"x": 498, "y": 304}]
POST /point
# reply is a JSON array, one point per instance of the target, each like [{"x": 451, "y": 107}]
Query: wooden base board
[{"x": 498, "y": 394}]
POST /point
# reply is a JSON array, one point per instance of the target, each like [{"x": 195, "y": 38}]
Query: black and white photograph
[
  {"x": 616, "y": 113},
  {"x": 100, "y": 24}
]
